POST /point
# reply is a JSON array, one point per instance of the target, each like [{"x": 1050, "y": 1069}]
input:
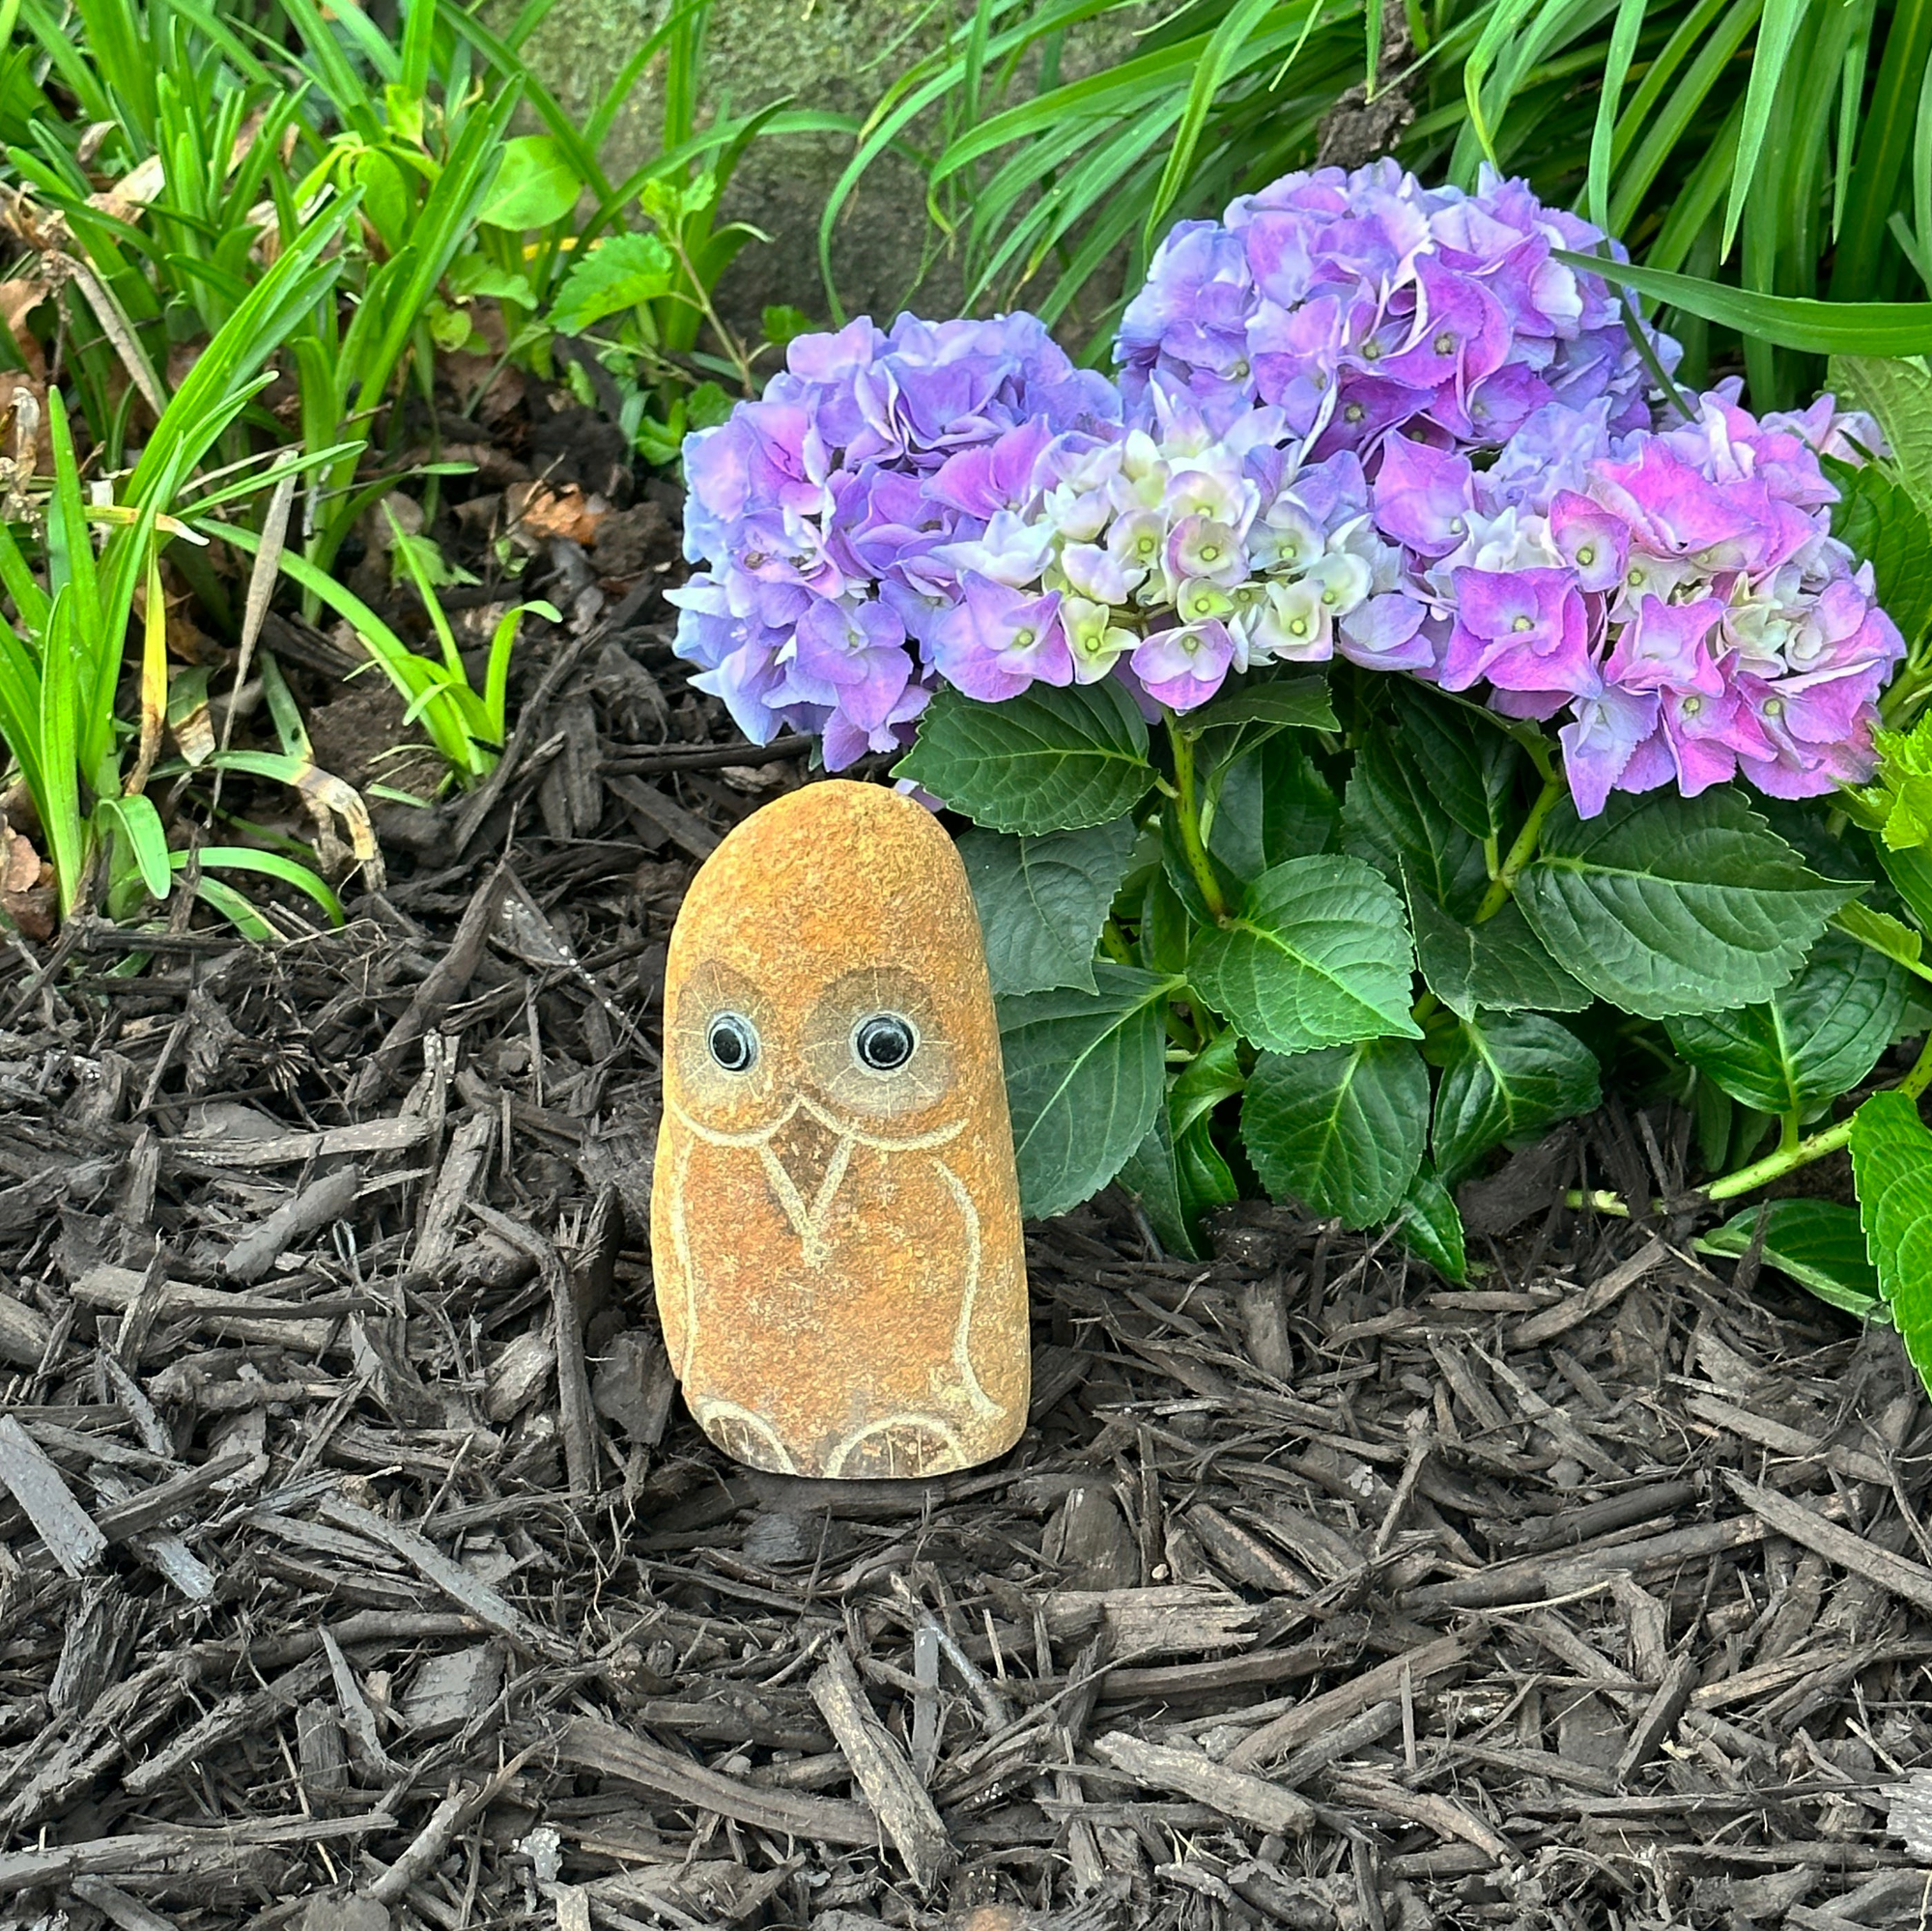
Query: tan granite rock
[{"x": 834, "y": 1213}]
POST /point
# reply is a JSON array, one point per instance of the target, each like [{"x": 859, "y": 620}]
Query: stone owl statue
[{"x": 834, "y": 1213}]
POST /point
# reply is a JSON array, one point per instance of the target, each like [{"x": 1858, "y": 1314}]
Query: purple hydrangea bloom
[
  {"x": 840, "y": 516},
  {"x": 1361, "y": 303}
]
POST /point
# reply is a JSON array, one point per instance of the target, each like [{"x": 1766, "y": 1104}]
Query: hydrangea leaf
[
  {"x": 535, "y": 184},
  {"x": 1153, "y": 1177},
  {"x": 1500, "y": 964},
  {"x": 1177, "y": 1179},
  {"x": 1274, "y": 804},
  {"x": 1318, "y": 953},
  {"x": 1819, "y": 1243},
  {"x": 626, "y": 271},
  {"x": 1042, "y": 901},
  {"x": 1666, "y": 904},
  {"x": 1903, "y": 791},
  {"x": 1470, "y": 769},
  {"x": 1910, "y": 873},
  {"x": 1891, "y": 937},
  {"x": 1892, "y": 1163},
  {"x": 1297, "y": 704},
  {"x": 1881, "y": 524},
  {"x": 1394, "y": 819},
  {"x": 1048, "y": 760},
  {"x": 1811, "y": 1041},
  {"x": 1899, "y": 393},
  {"x": 1085, "y": 1074},
  {"x": 1509, "y": 1077},
  {"x": 1341, "y": 1130},
  {"x": 1430, "y": 1225}
]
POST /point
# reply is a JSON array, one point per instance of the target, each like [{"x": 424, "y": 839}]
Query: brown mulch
[{"x": 360, "y": 1567}]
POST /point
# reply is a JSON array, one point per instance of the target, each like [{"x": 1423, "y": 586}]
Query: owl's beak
[{"x": 806, "y": 1164}]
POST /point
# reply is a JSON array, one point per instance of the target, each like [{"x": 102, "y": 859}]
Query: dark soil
[{"x": 364, "y": 1569}]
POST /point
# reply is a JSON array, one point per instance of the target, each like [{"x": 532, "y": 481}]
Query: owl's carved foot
[
  {"x": 898, "y": 1447},
  {"x": 746, "y": 1438}
]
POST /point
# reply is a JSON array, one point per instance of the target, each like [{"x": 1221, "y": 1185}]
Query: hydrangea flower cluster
[
  {"x": 1676, "y": 597},
  {"x": 1359, "y": 418},
  {"x": 1363, "y": 304},
  {"x": 822, "y": 511},
  {"x": 1173, "y": 553}
]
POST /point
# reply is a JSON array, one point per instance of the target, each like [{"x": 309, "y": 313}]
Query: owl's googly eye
[
  {"x": 734, "y": 1041},
  {"x": 884, "y": 1041}
]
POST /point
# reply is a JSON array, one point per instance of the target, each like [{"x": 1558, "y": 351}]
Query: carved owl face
[{"x": 822, "y": 977}]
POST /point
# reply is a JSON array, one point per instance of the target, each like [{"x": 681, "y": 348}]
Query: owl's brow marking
[
  {"x": 718, "y": 1137},
  {"x": 883, "y": 1143}
]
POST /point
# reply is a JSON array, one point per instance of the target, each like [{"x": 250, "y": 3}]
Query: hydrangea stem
[
  {"x": 1187, "y": 812},
  {"x": 1791, "y": 1154},
  {"x": 1521, "y": 852},
  {"x": 1786, "y": 1159}
]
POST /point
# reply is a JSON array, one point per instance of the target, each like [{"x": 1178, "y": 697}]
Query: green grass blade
[
  {"x": 1603, "y": 133},
  {"x": 1790, "y": 321},
  {"x": 1777, "y": 29},
  {"x": 140, "y": 824},
  {"x": 270, "y": 864}
]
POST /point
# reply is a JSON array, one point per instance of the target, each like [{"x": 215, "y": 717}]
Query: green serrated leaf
[
  {"x": 623, "y": 273},
  {"x": 1814, "y": 1039},
  {"x": 1890, "y": 938},
  {"x": 1509, "y": 1077},
  {"x": 1500, "y": 964},
  {"x": 1048, "y": 760},
  {"x": 1085, "y": 1073},
  {"x": 1316, "y": 954},
  {"x": 1899, "y": 393},
  {"x": 1274, "y": 804},
  {"x": 1213, "y": 1074},
  {"x": 1340, "y": 1130},
  {"x": 1903, "y": 789},
  {"x": 1878, "y": 519},
  {"x": 1666, "y": 904},
  {"x": 1430, "y": 1225},
  {"x": 1042, "y": 901},
  {"x": 1819, "y": 1243},
  {"x": 1393, "y": 818},
  {"x": 1299, "y": 703},
  {"x": 1471, "y": 773},
  {"x": 1892, "y": 1164},
  {"x": 781, "y": 324},
  {"x": 1154, "y": 1179}
]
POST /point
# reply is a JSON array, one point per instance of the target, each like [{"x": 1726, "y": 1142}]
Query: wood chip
[
  {"x": 588, "y": 1744},
  {"x": 1442, "y": 1814},
  {"x": 1666, "y": 1705},
  {"x": 1541, "y": 1328},
  {"x": 469, "y": 1592},
  {"x": 1910, "y": 1581},
  {"x": 72, "y": 1536},
  {"x": 882, "y": 1771},
  {"x": 1309, "y": 1719},
  {"x": 1250, "y": 1800}
]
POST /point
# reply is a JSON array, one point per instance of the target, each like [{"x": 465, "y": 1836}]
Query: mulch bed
[{"x": 362, "y": 1569}]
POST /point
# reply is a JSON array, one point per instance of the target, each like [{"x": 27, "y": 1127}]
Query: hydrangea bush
[{"x": 1383, "y": 712}]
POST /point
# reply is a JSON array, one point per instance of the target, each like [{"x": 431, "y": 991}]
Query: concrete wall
[{"x": 831, "y": 54}]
